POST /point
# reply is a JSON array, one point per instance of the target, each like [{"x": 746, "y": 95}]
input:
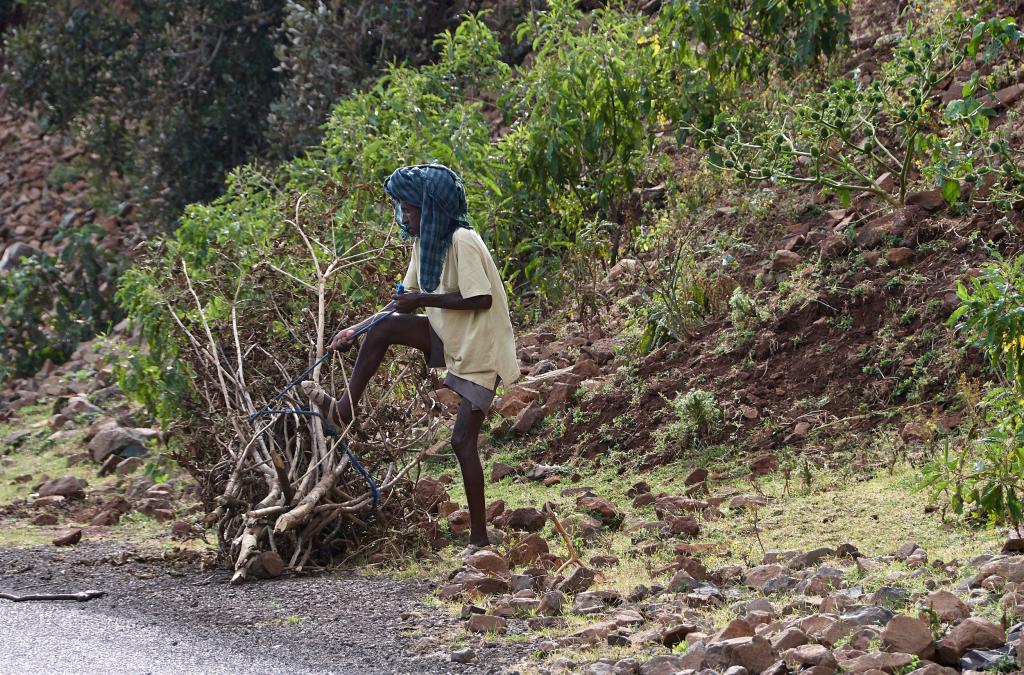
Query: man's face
[{"x": 411, "y": 218}]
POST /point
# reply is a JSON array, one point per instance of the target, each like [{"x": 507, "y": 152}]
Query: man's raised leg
[{"x": 397, "y": 329}]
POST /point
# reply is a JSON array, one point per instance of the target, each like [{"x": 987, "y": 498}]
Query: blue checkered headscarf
[{"x": 439, "y": 193}]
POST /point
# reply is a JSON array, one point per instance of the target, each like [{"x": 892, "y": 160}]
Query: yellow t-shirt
[{"x": 478, "y": 344}]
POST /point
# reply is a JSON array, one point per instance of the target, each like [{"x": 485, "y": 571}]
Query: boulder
[
  {"x": 112, "y": 441},
  {"x": 500, "y": 471},
  {"x": 580, "y": 579},
  {"x": 69, "y": 487},
  {"x": 489, "y": 562},
  {"x": 486, "y": 623},
  {"x": 753, "y": 653},
  {"x": 949, "y": 607},
  {"x": 757, "y": 577},
  {"x": 528, "y": 549},
  {"x": 602, "y": 509},
  {"x": 14, "y": 254},
  {"x": 907, "y": 634},
  {"x": 972, "y": 633},
  {"x": 527, "y": 417},
  {"x": 525, "y": 519},
  {"x": 515, "y": 401},
  {"x": 809, "y": 655},
  {"x": 67, "y": 537},
  {"x": 886, "y": 662},
  {"x": 428, "y": 494}
]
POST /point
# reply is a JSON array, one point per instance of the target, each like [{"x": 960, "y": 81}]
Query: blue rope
[{"x": 328, "y": 428}]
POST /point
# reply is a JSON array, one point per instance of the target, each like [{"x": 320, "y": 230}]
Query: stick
[
  {"x": 81, "y": 596},
  {"x": 574, "y": 559}
]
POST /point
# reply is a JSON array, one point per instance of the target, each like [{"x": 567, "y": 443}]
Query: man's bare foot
[{"x": 337, "y": 412}]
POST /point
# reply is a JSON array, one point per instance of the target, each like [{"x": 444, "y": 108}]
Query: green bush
[
  {"x": 49, "y": 304},
  {"x": 985, "y": 472},
  {"x": 845, "y": 138}
]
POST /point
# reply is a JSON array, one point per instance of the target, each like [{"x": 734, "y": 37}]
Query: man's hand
[
  {"x": 406, "y": 303},
  {"x": 343, "y": 341}
]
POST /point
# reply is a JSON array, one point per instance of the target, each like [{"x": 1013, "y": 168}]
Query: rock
[
  {"x": 734, "y": 629},
  {"x": 527, "y": 417},
  {"x": 265, "y": 565},
  {"x": 515, "y": 401},
  {"x": 500, "y": 471},
  {"x": 551, "y": 603},
  {"x": 486, "y": 623},
  {"x": 543, "y": 471},
  {"x": 14, "y": 254},
  {"x": 129, "y": 466},
  {"x": 822, "y": 581},
  {"x": 489, "y": 562},
  {"x": 65, "y": 486},
  {"x": 878, "y": 661},
  {"x": 786, "y": 260},
  {"x": 428, "y": 494},
  {"x": 695, "y": 477},
  {"x": 44, "y": 519},
  {"x": 667, "y": 664},
  {"x": 67, "y": 537},
  {"x": 527, "y": 550},
  {"x": 464, "y": 655},
  {"x": 762, "y": 465},
  {"x": 889, "y": 597},
  {"x": 478, "y": 582},
  {"x": 949, "y": 607},
  {"x": 526, "y": 519},
  {"x": 810, "y": 558},
  {"x": 971, "y": 633},
  {"x": 602, "y": 509},
  {"x": 929, "y": 200},
  {"x": 979, "y": 660},
  {"x": 682, "y": 525},
  {"x": 747, "y": 502},
  {"x": 868, "y": 615},
  {"x": 674, "y": 505},
  {"x": 753, "y": 653},
  {"x": 907, "y": 634},
  {"x": 834, "y": 245},
  {"x": 42, "y": 502},
  {"x": 899, "y": 256},
  {"x": 676, "y": 634},
  {"x": 788, "y": 639},
  {"x": 757, "y": 577},
  {"x": 105, "y": 518},
  {"x": 809, "y": 655},
  {"x": 580, "y": 579},
  {"x": 112, "y": 441}
]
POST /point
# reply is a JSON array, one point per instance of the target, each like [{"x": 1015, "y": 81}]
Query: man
[{"x": 466, "y": 328}]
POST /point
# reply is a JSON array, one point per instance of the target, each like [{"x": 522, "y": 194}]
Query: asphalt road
[{"x": 68, "y": 638}]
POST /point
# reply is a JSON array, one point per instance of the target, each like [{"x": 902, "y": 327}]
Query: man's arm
[{"x": 410, "y": 302}]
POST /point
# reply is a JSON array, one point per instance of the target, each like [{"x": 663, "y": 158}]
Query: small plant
[
  {"x": 698, "y": 418},
  {"x": 742, "y": 309}
]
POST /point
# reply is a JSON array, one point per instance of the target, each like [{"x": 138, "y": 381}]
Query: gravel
[{"x": 173, "y": 616}]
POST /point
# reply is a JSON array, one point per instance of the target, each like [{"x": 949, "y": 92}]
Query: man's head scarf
[{"x": 441, "y": 196}]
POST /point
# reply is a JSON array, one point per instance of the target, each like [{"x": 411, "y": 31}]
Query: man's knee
[{"x": 463, "y": 442}]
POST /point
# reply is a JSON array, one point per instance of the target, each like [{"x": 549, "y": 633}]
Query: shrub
[
  {"x": 50, "y": 303},
  {"x": 698, "y": 419},
  {"x": 846, "y": 138},
  {"x": 985, "y": 471}
]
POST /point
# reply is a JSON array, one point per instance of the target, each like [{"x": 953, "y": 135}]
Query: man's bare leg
[
  {"x": 464, "y": 440},
  {"x": 397, "y": 329}
]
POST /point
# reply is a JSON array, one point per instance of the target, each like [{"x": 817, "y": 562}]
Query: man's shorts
[{"x": 479, "y": 397}]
